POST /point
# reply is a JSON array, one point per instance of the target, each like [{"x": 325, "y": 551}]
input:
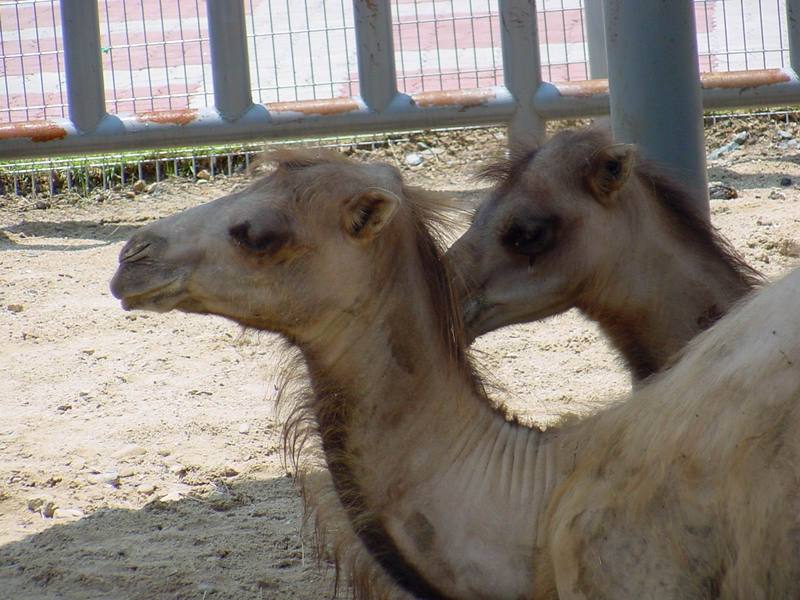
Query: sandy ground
[{"x": 140, "y": 452}]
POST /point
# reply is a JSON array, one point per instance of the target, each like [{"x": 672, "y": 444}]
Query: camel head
[
  {"x": 287, "y": 254},
  {"x": 552, "y": 225}
]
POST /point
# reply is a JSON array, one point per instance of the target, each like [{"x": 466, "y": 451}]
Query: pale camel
[
  {"x": 585, "y": 223},
  {"x": 688, "y": 490}
]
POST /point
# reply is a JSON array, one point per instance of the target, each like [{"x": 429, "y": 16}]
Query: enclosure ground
[{"x": 140, "y": 452}]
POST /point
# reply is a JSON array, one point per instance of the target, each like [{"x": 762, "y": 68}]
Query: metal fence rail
[{"x": 268, "y": 69}]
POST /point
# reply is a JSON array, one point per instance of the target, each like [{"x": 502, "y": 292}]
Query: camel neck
[
  {"x": 653, "y": 304},
  {"x": 419, "y": 456}
]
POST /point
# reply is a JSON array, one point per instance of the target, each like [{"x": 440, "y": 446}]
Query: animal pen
[{"x": 268, "y": 70}]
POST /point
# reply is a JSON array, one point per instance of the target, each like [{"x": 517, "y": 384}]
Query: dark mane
[{"x": 690, "y": 225}]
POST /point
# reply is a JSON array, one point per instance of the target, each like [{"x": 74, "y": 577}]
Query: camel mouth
[{"x": 160, "y": 298}]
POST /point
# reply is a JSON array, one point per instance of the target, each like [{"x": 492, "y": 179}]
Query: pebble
[
  {"x": 177, "y": 469},
  {"x": 722, "y": 191},
  {"x": 126, "y": 472},
  {"x": 68, "y": 513},
  {"x": 230, "y": 471},
  {"x": 414, "y": 159},
  {"x": 108, "y": 478},
  {"x": 244, "y": 428},
  {"x": 204, "y": 175},
  {"x": 784, "y": 135},
  {"x": 15, "y": 308},
  {"x": 130, "y": 195},
  {"x": 790, "y": 248},
  {"x": 139, "y": 186},
  {"x": 64, "y": 407},
  {"x": 41, "y": 205},
  {"x": 129, "y": 451},
  {"x": 786, "y": 181},
  {"x": 164, "y": 451},
  {"x": 741, "y": 137},
  {"x": 43, "y": 505},
  {"x": 776, "y": 195},
  {"x": 153, "y": 188},
  {"x": 171, "y": 497},
  {"x": 146, "y": 488}
]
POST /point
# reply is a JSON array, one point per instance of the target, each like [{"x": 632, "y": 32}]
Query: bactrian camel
[
  {"x": 583, "y": 222},
  {"x": 690, "y": 489}
]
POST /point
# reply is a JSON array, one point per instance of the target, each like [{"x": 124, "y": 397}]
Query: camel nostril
[{"x": 134, "y": 250}]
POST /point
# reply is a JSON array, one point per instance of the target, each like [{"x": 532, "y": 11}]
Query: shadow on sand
[{"x": 241, "y": 542}]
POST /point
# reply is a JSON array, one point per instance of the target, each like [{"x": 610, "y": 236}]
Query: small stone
[
  {"x": 230, "y": 471},
  {"x": 202, "y": 181},
  {"x": 203, "y": 175},
  {"x": 244, "y": 428},
  {"x": 153, "y": 188},
  {"x": 146, "y": 488},
  {"x": 130, "y": 195},
  {"x": 171, "y": 497},
  {"x": 15, "y": 308},
  {"x": 741, "y": 137},
  {"x": 786, "y": 181},
  {"x": 139, "y": 186},
  {"x": 68, "y": 513},
  {"x": 163, "y": 451},
  {"x": 784, "y": 135},
  {"x": 43, "y": 505},
  {"x": 126, "y": 472},
  {"x": 790, "y": 248},
  {"x": 722, "y": 150},
  {"x": 776, "y": 195},
  {"x": 414, "y": 159},
  {"x": 129, "y": 451},
  {"x": 722, "y": 191},
  {"x": 64, "y": 407},
  {"x": 108, "y": 478},
  {"x": 177, "y": 469}
]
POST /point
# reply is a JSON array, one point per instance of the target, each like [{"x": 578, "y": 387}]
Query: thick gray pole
[
  {"x": 80, "y": 27},
  {"x": 654, "y": 80},
  {"x": 793, "y": 19},
  {"x": 377, "y": 78},
  {"x": 522, "y": 68},
  {"x": 229, "y": 62},
  {"x": 596, "y": 39}
]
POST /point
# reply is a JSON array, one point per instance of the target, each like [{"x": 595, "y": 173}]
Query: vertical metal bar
[
  {"x": 793, "y": 22},
  {"x": 596, "y": 39},
  {"x": 654, "y": 80},
  {"x": 376, "y": 70},
  {"x": 522, "y": 68},
  {"x": 80, "y": 27},
  {"x": 229, "y": 63}
]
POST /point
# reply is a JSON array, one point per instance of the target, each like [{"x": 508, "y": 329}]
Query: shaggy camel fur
[
  {"x": 582, "y": 222},
  {"x": 688, "y": 490}
]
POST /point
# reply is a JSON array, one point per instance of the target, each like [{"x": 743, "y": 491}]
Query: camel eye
[
  {"x": 530, "y": 238},
  {"x": 245, "y": 236}
]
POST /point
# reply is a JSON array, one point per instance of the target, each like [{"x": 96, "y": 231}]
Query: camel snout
[{"x": 134, "y": 250}]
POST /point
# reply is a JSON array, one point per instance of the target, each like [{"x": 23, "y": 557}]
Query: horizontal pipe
[{"x": 342, "y": 116}]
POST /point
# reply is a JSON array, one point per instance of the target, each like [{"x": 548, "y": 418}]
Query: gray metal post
[
  {"x": 522, "y": 68},
  {"x": 229, "y": 62},
  {"x": 596, "y": 39},
  {"x": 377, "y": 77},
  {"x": 793, "y": 19},
  {"x": 80, "y": 27},
  {"x": 654, "y": 80}
]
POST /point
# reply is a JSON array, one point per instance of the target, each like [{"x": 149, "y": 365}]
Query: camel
[
  {"x": 585, "y": 223},
  {"x": 687, "y": 489}
]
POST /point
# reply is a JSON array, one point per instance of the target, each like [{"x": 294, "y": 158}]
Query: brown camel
[
  {"x": 688, "y": 490},
  {"x": 582, "y": 222}
]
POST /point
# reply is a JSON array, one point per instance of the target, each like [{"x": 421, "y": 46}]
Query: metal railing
[{"x": 387, "y": 91}]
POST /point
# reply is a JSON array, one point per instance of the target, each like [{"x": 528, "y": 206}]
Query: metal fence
[{"x": 81, "y": 76}]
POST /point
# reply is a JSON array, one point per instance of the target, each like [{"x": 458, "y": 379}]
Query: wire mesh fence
[{"x": 156, "y": 55}]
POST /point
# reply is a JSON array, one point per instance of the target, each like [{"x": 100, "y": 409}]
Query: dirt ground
[{"x": 140, "y": 454}]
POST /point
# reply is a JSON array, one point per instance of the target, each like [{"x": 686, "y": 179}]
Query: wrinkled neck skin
[
  {"x": 661, "y": 293},
  {"x": 433, "y": 478}
]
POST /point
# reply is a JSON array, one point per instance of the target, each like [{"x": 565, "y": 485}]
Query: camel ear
[
  {"x": 609, "y": 169},
  {"x": 367, "y": 213}
]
